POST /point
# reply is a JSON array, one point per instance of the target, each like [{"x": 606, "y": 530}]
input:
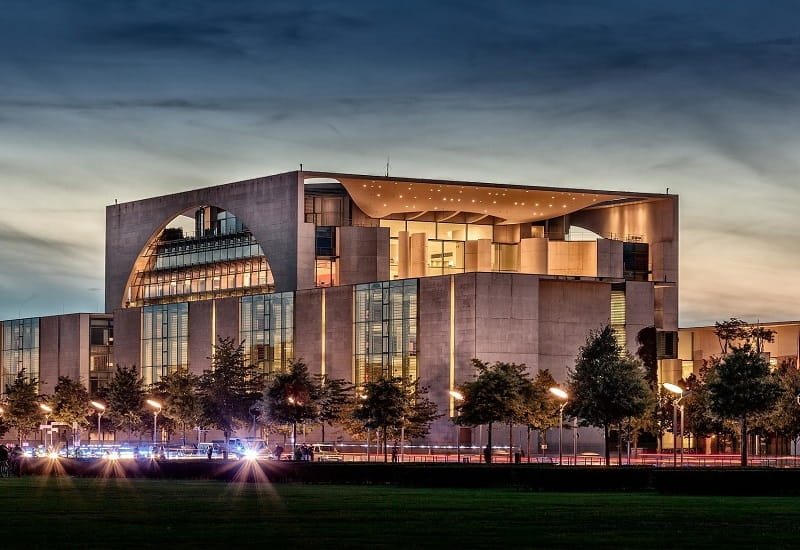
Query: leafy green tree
[
  {"x": 70, "y": 402},
  {"x": 229, "y": 389},
  {"x": 334, "y": 396},
  {"x": 497, "y": 394},
  {"x": 606, "y": 387},
  {"x": 784, "y": 419},
  {"x": 741, "y": 386},
  {"x": 178, "y": 394},
  {"x": 394, "y": 405},
  {"x": 648, "y": 354},
  {"x": 124, "y": 397},
  {"x": 22, "y": 410},
  {"x": 541, "y": 408},
  {"x": 293, "y": 397}
]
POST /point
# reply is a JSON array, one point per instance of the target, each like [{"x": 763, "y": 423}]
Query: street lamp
[
  {"x": 47, "y": 412},
  {"x": 458, "y": 396},
  {"x": 100, "y": 410},
  {"x": 561, "y": 394},
  {"x": 677, "y": 403},
  {"x": 156, "y": 409}
]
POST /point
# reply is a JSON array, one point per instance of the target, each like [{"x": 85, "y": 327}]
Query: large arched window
[{"x": 203, "y": 253}]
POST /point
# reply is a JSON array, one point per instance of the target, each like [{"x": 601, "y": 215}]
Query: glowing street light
[
  {"x": 48, "y": 410},
  {"x": 458, "y": 396},
  {"x": 561, "y": 394},
  {"x": 677, "y": 403},
  {"x": 157, "y": 409},
  {"x": 100, "y": 410}
]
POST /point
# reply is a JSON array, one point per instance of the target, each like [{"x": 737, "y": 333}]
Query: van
[{"x": 326, "y": 452}]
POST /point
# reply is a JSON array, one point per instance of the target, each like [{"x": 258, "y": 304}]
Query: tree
[
  {"x": 180, "y": 401},
  {"x": 784, "y": 418},
  {"x": 648, "y": 354},
  {"x": 292, "y": 397},
  {"x": 334, "y": 396},
  {"x": 22, "y": 406},
  {"x": 540, "y": 406},
  {"x": 229, "y": 389},
  {"x": 70, "y": 402},
  {"x": 393, "y": 406},
  {"x": 124, "y": 398},
  {"x": 496, "y": 395},
  {"x": 740, "y": 386},
  {"x": 605, "y": 386}
]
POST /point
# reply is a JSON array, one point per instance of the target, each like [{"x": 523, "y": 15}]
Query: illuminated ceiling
[{"x": 410, "y": 199}]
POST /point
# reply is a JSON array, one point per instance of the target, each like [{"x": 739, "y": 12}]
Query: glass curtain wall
[
  {"x": 20, "y": 351},
  {"x": 101, "y": 360},
  {"x": 266, "y": 326},
  {"x": 165, "y": 340},
  {"x": 386, "y": 330}
]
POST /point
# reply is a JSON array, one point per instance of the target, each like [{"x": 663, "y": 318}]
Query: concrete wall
[
  {"x": 574, "y": 258},
  {"x": 200, "y": 335},
  {"x": 433, "y": 357},
  {"x": 568, "y": 311},
  {"x": 307, "y": 329},
  {"x": 270, "y": 207},
  {"x": 61, "y": 349},
  {"x": 127, "y": 337},
  {"x": 363, "y": 254},
  {"x": 226, "y": 314},
  {"x": 339, "y": 332},
  {"x": 639, "y": 311}
]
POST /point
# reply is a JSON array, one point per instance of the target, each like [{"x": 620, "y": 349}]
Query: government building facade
[{"x": 362, "y": 276}]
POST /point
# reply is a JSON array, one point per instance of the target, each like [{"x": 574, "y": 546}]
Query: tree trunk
[
  {"x": 385, "y": 432},
  {"x": 619, "y": 445},
  {"x": 606, "y": 450},
  {"x": 510, "y": 443},
  {"x": 225, "y": 445},
  {"x": 529, "y": 445},
  {"x": 294, "y": 438},
  {"x": 542, "y": 442},
  {"x": 487, "y": 453},
  {"x": 743, "y": 441},
  {"x": 323, "y": 433}
]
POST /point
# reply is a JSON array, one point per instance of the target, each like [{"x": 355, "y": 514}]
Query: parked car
[{"x": 326, "y": 452}]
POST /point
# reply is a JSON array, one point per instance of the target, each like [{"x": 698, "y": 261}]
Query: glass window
[
  {"x": 267, "y": 328},
  {"x": 475, "y": 232},
  {"x": 20, "y": 350},
  {"x": 385, "y": 330},
  {"x": 395, "y": 226},
  {"x": 165, "y": 340}
]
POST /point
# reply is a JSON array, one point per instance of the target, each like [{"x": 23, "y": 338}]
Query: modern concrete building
[
  {"x": 363, "y": 276},
  {"x": 696, "y": 345}
]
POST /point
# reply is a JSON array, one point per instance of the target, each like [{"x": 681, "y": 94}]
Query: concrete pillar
[
  {"x": 403, "y": 255},
  {"x": 418, "y": 254},
  {"x": 533, "y": 256}
]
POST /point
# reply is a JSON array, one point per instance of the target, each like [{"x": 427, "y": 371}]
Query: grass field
[{"x": 51, "y": 512}]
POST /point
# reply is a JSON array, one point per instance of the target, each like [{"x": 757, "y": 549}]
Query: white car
[{"x": 326, "y": 452}]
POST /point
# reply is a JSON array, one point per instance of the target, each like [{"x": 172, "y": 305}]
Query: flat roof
[{"x": 384, "y": 196}]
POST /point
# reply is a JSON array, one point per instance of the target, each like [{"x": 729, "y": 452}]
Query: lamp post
[
  {"x": 100, "y": 410},
  {"x": 156, "y": 409},
  {"x": 683, "y": 395},
  {"x": 47, "y": 412},
  {"x": 561, "y": 394},
  {"x": 458, "y": 396}
]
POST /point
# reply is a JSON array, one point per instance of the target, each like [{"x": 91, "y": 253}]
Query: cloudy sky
[{"x": 115, "y": 100}]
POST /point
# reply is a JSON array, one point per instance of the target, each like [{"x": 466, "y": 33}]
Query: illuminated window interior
[{"x": 211, "y": 256}]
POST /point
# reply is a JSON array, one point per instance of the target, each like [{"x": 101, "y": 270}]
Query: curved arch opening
[{"x": 203, "y": 252}]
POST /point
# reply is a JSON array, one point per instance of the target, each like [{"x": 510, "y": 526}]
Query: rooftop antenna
[
  {"x": 667, "y": 190},
  {"x": 387, "y": 166},
  {"x": 301, "y": 166}
]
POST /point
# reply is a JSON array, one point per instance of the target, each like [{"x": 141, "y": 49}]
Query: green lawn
[{"x": 118, "y": 513}]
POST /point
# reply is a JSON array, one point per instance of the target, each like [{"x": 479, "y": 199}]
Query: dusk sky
[{"x": 104, "y": 100}]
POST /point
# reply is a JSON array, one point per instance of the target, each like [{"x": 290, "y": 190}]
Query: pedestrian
[
  {"x": 487, "y": 455},
  {"x": 209, "y": 452},
  {"x": 278, "y": 452},
  {"x": 394, "y": 453}
]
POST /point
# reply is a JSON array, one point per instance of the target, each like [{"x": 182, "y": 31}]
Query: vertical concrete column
[
  {"x": 484, "y": 255},
  {"x": 533, "y": 256},
  {"x": 419, "y": 254},
  {"x": 470, "y": 256},
  {"x": 403, "y": 255}
]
